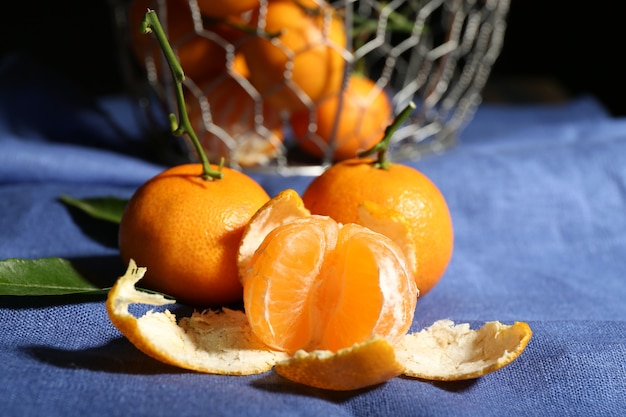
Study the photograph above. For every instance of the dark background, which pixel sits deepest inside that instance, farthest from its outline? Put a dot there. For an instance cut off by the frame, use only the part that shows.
(553, 49)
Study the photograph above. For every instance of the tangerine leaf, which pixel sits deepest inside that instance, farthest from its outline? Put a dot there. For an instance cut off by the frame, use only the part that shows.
(45, 276)
(103, 208)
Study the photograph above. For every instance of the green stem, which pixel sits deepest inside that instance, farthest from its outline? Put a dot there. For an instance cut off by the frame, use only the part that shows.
(382, 147)
(151, 24)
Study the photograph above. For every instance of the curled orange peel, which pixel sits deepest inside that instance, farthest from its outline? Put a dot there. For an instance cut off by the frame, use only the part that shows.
(453, 352)
(222, 342)
(217, 342)
(362, 365)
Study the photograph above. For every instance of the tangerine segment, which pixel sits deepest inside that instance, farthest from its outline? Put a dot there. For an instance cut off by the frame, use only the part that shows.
(316, 284)
(374, 273)
(359, 366)
(284, 274)
(212, 342)
(448, 352)
(283, 208)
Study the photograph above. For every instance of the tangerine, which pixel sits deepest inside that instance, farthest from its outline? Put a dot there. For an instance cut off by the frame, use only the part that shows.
(186, 230)
(314, 284)
(348, 122)
(298, 61)
(340, 190)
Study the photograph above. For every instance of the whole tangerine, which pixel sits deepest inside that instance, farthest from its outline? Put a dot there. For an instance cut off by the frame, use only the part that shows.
(343, 187)
(298, 60)
(186, 230)
(347, 123)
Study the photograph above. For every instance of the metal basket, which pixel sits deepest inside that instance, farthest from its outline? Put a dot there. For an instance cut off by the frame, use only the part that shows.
(436, 53)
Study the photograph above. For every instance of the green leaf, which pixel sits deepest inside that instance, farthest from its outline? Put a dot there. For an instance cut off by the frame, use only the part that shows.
(45, 276)
(103, 208)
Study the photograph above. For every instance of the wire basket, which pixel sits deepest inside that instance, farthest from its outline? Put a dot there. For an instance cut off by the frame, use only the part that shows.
(435, 53)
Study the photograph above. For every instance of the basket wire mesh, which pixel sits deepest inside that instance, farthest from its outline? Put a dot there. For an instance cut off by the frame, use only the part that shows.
(435, 53)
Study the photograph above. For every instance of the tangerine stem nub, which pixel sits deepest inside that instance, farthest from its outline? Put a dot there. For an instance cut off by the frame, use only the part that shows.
(382, 147)
(182, 126)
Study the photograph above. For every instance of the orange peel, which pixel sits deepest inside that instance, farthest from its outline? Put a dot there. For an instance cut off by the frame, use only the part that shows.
(222, 342)
(217, 342)
(362, 365)
(448, 352)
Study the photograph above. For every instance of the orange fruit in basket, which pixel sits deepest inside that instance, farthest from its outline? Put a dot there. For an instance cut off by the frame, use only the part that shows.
(349, 122)
(200, 56)
(186, 230)
(400, 190)
(241, 128)
(226, 8)
(299, 60)
(314, 284)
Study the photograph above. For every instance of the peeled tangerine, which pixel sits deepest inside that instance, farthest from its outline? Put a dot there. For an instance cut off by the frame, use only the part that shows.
(326, 305)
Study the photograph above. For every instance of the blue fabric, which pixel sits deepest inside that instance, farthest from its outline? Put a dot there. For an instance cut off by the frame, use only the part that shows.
(538, 200)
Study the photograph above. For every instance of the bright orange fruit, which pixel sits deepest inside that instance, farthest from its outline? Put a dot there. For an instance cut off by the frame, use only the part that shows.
(345, 186)
(346, 123)
(315, 284)
(300, 60)
(186, 230)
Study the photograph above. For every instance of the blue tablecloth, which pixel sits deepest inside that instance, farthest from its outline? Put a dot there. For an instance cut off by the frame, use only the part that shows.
(538, 200)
